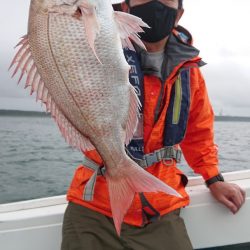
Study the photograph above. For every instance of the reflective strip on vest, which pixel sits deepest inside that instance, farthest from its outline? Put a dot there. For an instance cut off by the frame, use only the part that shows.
(177, 101)
(178, 110)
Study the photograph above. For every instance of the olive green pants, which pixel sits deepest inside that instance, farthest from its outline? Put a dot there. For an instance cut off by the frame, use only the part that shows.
(84, 229)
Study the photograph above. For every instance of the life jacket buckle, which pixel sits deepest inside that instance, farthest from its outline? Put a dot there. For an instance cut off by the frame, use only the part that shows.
(151, 158)
(102, 170)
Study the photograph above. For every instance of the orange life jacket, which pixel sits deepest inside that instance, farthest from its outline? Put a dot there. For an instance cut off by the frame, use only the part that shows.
(192, 124)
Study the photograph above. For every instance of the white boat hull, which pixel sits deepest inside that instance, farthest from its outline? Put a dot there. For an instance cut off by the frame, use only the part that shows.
(37, 224)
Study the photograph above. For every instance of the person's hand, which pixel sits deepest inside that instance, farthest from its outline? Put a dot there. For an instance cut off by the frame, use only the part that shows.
(231, 195)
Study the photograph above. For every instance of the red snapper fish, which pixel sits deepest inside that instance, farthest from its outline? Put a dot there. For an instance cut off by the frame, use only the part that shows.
(74, 61)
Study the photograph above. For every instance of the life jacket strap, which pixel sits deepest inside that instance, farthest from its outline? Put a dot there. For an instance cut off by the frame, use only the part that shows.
(88, 191)
(166, 154)
(149, 213)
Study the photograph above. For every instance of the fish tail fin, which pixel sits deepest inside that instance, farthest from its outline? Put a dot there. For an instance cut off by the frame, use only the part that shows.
(129, 179)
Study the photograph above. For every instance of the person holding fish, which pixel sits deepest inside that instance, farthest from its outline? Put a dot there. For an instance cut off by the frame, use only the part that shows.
(176, 114)
(106, 87)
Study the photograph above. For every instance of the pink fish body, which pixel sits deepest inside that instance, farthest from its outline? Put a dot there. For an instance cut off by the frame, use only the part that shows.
(74, 62)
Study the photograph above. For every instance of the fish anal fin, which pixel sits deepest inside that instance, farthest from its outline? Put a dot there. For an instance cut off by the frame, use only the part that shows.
(24, 42)
(71, 135)
(129, 26)
(25, 63)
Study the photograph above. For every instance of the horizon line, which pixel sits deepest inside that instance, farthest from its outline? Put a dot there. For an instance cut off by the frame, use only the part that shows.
(5, 111)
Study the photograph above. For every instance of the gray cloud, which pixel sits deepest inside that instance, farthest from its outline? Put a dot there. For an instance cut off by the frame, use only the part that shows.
(223, 41)
(229, 87)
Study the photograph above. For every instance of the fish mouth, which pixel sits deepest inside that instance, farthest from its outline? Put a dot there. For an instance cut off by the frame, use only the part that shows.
(78, 13)
(67, 7)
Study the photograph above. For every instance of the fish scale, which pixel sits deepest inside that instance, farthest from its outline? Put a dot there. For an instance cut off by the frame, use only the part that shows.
(76, 67)
(92, 74)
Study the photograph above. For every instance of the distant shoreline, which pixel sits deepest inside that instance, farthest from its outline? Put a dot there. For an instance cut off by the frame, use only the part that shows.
(44, 114)
(223, 118)
(4, 112)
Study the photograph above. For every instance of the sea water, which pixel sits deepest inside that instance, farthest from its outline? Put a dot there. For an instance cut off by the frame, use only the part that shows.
(36, 162)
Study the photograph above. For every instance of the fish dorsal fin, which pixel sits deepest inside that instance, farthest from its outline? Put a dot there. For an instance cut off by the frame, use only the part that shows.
(91, 24)
(24, 62)
(133, 114)
(129, 26)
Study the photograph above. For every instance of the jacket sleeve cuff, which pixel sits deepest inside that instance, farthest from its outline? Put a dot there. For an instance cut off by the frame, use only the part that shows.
(214, 179)
(208, 172)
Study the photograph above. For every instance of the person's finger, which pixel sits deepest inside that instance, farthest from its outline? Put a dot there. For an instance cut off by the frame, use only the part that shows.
(229, 204)
(237, 199)
(242, 197)
(239, 196)
(243, 193)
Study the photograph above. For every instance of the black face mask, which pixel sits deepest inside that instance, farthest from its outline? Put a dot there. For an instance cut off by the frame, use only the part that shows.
(158, 16)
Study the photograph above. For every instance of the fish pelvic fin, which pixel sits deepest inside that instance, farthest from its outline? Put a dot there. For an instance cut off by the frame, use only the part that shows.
(91, 24)
(23, 61)
(133, 114)
(128, 180)
(129, 26)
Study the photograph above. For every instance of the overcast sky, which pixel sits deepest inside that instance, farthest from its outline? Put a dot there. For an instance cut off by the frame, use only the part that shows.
(220, 31)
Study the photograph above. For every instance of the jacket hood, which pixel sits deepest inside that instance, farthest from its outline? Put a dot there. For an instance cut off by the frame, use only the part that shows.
(178, 51)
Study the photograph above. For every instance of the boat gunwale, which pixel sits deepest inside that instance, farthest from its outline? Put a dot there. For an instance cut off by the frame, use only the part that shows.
(196, 183)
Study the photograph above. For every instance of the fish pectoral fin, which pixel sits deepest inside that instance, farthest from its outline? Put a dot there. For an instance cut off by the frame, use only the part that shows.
(88, 15)
(91, 24)
(24, 62)
(129, 26)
